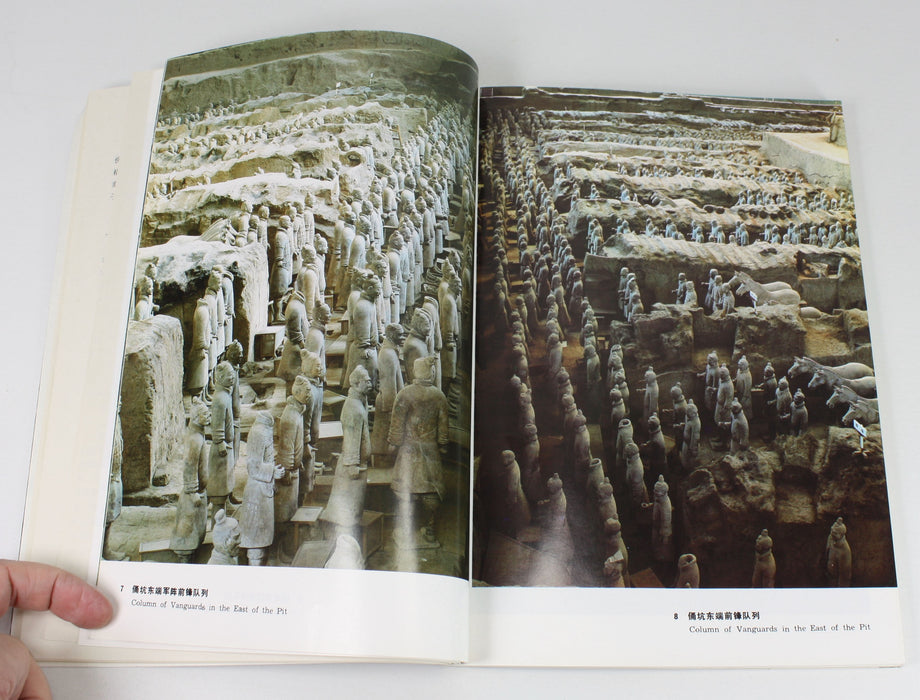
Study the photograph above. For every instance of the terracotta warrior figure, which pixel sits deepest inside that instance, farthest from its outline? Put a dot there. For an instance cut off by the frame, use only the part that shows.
(296, 325)
(234, 356)
(783, 405)
(620, 380)
(724, 398)
(594, 383)
(362, 331)
(655, 447)
(311, 369)
(510, 509)
(226, 287)
(418, 433)
(839, 556)
(222, 457)
(197, 370)
(529, 461)
(690, 449)
(617, 409)
(308, 280)
(710, 377)
(679, 414)
(191, 508)
(739, 429)
(557, 539)
(280, 276)
(257, 514)
(390, 383)
(450, 329)
(144, 307)
(346, 502)
(315, 340)
(416, 343)
(798, 421)
(769, 387)
(688, 572)
(624, 437)
(615, 547)
(606, 504)
(764, 563)
(580, 458)
(743, 385)
(650, 399)
(661, 521)
(291, 449)
(347, 554)
(635, 477)
(593, 481)
(226, 536)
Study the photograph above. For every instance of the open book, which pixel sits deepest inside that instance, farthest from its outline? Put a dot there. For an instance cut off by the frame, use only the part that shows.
(383, 365)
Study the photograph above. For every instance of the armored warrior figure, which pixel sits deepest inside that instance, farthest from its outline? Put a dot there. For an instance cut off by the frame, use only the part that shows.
(798, 420)
(657, 452)
(257, 514)
(764, 563)
(362, 331)
(416, 344)
(710, 377)
(688, 569)
(724, 398)
(615, 547)
(743, 384)
(557, 539)
(197, 371)
(635, 476)
(346, 501)
(769, 387)
(650, 400)
(783, 405)
(839, 556)
(529, 461)
(191, 508)
(280, 277)
(739, 429)
(679, 413)
(291, 448)
(390, 384)
(221, 457)
(226, 537)
(418, 432)
(661, 521)
(691, 441)
(617, 409)
(296, 325)
(510, 510)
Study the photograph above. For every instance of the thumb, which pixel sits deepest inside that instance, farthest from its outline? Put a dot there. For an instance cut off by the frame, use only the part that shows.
(20, 676)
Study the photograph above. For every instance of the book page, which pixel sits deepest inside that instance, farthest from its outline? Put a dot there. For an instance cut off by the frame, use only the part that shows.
(679, 391)
(288, 332)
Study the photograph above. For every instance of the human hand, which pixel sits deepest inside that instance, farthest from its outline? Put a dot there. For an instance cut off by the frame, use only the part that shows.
(32, 586)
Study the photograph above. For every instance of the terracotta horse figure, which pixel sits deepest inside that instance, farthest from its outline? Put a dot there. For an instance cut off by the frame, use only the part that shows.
(865, 386)
(851, 370)
(768, 294)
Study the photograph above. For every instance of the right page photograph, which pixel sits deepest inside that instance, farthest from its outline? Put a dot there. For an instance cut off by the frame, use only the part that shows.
(674, 377)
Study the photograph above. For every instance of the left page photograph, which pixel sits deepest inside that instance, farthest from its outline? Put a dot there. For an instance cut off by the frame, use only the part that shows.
(286, 412)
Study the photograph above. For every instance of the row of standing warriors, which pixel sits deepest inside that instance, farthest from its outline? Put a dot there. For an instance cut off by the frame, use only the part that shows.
(373, 344)
(834, 236)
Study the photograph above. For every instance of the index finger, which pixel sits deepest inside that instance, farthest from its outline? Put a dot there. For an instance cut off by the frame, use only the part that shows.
(33, 586)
